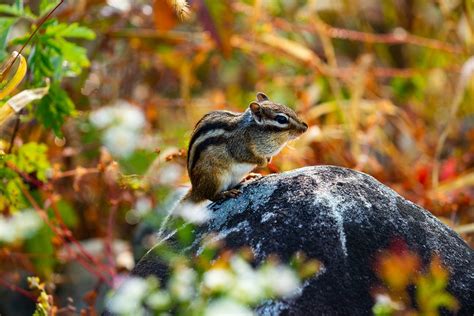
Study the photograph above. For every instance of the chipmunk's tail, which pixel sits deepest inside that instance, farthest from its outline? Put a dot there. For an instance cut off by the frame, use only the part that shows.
(177, 204)
(188, 198)
(192, 197)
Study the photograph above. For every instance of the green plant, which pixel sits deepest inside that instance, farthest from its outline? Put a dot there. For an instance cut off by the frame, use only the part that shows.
(399, 268)
(52, 55)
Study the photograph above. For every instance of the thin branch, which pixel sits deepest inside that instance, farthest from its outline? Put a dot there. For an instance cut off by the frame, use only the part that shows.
(396, 38)
(109, 239)
(70, 237)
(44, 216)
(64, 231)
(74, 172)
(269, 43)
(15, 131)
(143, 33)
(18, 289)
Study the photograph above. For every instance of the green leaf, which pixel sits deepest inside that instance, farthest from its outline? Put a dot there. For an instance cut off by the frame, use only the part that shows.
(380, 309)
(10, 10)
(40, 64)
(53, 56)
(41, 245)
(17, 11)
(138, 162)
(19, 4)
(31, 158)
(67, 212)
(5, 25)
(46, 6)
(74, 54)
(53, 109)
(73, 30)
(11, 196)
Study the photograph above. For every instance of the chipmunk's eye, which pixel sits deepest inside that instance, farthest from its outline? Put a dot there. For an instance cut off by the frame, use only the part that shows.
(281, 119)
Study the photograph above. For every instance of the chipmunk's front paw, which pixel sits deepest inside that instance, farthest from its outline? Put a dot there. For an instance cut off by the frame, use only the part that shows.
(252, 176)
(232, 193)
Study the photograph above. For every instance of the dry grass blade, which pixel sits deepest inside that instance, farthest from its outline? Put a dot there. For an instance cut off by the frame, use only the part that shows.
(463, 181)
(294, 49)
(465, 229)
(357, 89)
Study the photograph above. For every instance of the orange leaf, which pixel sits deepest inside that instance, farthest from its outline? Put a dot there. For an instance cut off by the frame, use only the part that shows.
(164, 16)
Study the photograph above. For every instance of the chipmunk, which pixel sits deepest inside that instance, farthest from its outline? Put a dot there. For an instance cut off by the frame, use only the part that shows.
(226, 146)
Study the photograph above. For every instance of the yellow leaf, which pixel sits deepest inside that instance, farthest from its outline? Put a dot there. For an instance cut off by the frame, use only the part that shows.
(17, 77)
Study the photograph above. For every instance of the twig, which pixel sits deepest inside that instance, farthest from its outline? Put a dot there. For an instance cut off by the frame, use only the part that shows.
(178, 36)
(15, 131)
(70, 237)
(24, 175)
(74, 172)
(109, 239)
(396, 38)
(18, 289)
(44, 216)
(64, 232)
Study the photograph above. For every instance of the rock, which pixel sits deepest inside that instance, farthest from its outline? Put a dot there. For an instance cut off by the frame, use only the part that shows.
(342, 218)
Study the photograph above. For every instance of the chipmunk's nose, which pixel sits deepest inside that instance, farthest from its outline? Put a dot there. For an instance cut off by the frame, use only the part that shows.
(304, 127)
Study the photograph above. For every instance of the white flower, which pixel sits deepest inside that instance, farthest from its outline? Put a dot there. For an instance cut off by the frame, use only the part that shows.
(128, 115)
(27, 223)
(385, 300)
(227, 307)
(194, 213)
(19, 226)
(240, 266)
(170, 174)
(159, 300)
(121, 113)
(121, 5)
(182, 284)
(280, 280)
(123, 124)
(218, 280)
(102, 117)
(248, 287)
(143, 205)
(120, 141)
(7, 231)
(128, 297)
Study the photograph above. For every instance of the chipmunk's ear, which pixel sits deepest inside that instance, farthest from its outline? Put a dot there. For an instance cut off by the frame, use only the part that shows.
(261, 97)
(256, 113)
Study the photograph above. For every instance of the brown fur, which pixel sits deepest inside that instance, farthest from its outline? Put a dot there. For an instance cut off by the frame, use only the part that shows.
(222, 140)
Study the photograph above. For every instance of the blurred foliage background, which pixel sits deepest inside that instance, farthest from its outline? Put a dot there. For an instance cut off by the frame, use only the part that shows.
(87, 171)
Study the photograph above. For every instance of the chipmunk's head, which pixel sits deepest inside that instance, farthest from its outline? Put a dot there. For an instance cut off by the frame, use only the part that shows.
(276, 118)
